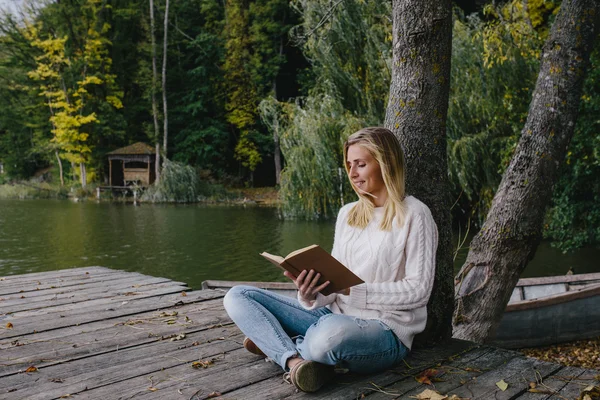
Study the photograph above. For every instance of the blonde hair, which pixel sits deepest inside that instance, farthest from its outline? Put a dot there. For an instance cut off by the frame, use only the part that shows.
(385, 149)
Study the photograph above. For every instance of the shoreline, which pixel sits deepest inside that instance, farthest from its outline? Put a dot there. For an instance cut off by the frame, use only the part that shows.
(264, 196)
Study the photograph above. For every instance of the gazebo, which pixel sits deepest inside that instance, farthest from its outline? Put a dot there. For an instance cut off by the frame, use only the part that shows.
(133, 164)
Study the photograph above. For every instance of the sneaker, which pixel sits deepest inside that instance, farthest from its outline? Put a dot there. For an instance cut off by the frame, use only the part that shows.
(253, 348)
(310, 376)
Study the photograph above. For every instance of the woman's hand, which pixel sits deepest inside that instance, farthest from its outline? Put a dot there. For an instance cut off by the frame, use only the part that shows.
(306, 283)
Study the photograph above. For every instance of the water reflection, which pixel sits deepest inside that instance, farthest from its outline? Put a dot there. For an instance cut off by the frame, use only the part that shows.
(188, 243)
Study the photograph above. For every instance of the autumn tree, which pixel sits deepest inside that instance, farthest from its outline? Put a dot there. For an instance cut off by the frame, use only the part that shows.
(513, 227)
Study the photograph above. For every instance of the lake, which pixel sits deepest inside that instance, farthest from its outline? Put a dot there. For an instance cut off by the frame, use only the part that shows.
(188, 243)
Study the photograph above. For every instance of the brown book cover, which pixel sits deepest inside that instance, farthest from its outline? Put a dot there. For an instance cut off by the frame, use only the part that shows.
(314, 257)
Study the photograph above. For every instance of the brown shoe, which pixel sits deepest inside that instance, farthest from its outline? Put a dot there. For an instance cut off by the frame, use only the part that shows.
(310, 376)
(253, 348)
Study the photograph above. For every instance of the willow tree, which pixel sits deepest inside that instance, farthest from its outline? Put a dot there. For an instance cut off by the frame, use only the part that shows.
(513, 228)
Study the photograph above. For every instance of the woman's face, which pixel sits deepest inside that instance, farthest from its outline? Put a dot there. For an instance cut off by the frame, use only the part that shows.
(365, 173)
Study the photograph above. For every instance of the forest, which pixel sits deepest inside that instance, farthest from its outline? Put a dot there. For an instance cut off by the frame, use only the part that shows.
(263, 93)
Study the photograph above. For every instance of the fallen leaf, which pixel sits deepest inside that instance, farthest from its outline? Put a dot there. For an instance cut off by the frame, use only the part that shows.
(171, 322)
(532, 385)
(181, 336)
(184, 294)
(429, 394)
(152, 389)
(203, 364)
(9, 326)
(502, 385)
(31, 369)
(213, 394)
(427, 376)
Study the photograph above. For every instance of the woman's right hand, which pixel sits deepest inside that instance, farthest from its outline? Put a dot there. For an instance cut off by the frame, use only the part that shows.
(306, 283)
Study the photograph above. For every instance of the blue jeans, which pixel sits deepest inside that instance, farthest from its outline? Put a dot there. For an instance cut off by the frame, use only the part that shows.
(271, 321)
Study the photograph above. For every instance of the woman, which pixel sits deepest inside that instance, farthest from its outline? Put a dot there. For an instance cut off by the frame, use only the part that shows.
(388, 240)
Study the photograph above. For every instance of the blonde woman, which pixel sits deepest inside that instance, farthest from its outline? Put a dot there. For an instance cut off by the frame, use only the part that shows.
(386, 238)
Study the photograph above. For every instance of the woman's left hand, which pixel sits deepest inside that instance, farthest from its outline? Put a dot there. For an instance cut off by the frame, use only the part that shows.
(306, 283)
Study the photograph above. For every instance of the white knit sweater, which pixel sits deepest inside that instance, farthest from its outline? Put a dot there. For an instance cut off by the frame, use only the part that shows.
(398, 268)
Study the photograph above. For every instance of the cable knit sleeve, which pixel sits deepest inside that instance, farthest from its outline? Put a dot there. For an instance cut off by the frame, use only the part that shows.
(340, 223)
(414, 290)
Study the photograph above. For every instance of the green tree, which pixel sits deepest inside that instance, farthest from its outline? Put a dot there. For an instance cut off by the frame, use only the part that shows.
(241, 90)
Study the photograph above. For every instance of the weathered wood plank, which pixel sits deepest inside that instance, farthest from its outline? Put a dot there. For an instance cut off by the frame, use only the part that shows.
(515, 373)
(545, 388)
(238, 368)
(452, 373)
(51, 274)
(353, 386)
(575, 386)
(94, 285)
(95, 310)
(75, 342)
(116, 366)
(128, 287)
(60, 283)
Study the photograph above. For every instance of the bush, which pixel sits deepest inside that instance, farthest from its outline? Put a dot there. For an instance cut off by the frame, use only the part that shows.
(178, 183)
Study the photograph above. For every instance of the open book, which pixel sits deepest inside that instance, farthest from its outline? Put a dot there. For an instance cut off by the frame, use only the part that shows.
(314, 257)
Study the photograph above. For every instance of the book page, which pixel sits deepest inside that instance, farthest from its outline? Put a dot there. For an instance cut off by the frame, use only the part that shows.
(293, 253)
(272, 257)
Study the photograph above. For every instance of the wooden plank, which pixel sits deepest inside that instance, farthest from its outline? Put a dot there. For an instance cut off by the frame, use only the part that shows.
(575, 386)
(68, 344)
(60, 283)
(27, 322)
(108, 368)
(77, 313)
(352, 386)
(545, 388)
(514, 372)
(559, 279)
(92, 283)
(128, 287)
(60, 279)
(453, 373)
(54, 273)
(237, 368)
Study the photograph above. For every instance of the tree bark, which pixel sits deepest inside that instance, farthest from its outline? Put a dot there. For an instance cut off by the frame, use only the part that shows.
(83, 175)
(513, 228)
(164, 82)
(416, 113)
(60, 169)
(154, 105)
(277, 147)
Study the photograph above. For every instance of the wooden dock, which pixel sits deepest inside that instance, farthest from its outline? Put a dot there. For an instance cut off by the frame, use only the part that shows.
(97, 333)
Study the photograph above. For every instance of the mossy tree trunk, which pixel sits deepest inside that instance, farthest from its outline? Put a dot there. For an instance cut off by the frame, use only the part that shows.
(416, 113)
(513, 228)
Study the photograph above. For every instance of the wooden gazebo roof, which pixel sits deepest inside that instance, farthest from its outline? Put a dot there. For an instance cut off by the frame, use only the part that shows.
(138, 148)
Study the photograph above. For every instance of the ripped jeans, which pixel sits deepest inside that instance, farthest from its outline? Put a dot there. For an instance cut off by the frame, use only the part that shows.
(271, 321)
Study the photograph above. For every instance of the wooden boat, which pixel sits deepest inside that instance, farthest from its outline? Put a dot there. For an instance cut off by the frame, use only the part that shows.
(541, 311)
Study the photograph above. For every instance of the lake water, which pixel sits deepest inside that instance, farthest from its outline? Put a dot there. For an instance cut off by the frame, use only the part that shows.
(188, 243)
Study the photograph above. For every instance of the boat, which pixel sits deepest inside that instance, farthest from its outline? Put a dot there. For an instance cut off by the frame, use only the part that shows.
(541, 311)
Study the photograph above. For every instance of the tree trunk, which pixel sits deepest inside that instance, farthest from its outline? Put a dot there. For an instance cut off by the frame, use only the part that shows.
(416, 113)
(277, 147)
(83, 175)
(164, 82)
(60, 169)
(154, 105)
(513, 228)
